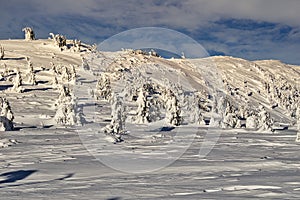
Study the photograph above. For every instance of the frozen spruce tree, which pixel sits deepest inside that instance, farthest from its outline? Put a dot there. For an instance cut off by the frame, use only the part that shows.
(6, 116)
(31, 74)
(116, 127)
(103, 88)
(143, 107)
(252, 121)
(195, 110)
(1, 52)
(65, 96)
(17, 84)
(66, 108)
(29, 33)
(265, 121)
(173, 110)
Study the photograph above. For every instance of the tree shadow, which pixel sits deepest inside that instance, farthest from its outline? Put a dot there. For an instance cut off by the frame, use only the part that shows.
(22, 174)
(115, 198)
(19, 58)
(5, 87)
(37, 89)
(11, 177)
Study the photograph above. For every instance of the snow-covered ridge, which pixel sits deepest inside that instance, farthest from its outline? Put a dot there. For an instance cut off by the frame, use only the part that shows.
(218, 91)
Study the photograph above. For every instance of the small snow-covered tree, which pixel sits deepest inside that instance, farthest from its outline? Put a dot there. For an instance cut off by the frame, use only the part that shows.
(195, 111)
(143, 107)
(117, 125)
(173, 111)
(1, 52)
(31, 74)
(103, 88)
(252, 122)
(265, 122)
(66, 108)
(17, 84)
(6, 116)
(29, 33)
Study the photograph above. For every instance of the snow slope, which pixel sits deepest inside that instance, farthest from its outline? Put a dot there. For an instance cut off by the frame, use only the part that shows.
(43, 160)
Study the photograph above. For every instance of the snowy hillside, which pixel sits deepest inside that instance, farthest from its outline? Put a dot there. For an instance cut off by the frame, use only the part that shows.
(226, 126)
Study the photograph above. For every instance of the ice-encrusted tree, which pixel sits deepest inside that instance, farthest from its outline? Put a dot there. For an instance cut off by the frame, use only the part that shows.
(252, 121)
(265, 121)
(66, 107)
(31, 74)
(173, 111)
(117, 125)
(142, 115)
(103, 88)
(17, 82)
(6, 116)
(194, 108)
(29, 33)
(1, 52)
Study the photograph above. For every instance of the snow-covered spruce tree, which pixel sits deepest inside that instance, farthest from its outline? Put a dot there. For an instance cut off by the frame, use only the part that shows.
(65, 95)
(195, 110)
(173, 110)
(252, 120)
(143, 107)
(29, 33)
(265, 121)
(66, 108)
(103, 88)
(117, 125)
(1, 52)
(6, 116)
(17, 84)
(31, 75)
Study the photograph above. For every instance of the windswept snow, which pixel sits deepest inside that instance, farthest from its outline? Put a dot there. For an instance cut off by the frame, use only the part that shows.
(80, 116)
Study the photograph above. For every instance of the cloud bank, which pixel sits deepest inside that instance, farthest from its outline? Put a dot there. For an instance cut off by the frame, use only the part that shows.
(252, 29)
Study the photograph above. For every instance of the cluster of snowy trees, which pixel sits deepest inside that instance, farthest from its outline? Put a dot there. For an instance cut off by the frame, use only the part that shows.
(282, 93)
(6, 115)
(59, 40)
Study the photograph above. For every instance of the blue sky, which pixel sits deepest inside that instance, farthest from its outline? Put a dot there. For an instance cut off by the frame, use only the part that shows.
(251, 29)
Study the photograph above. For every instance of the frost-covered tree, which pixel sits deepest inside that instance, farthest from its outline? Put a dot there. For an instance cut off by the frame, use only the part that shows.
(65, 95)
(103, 88)
(6, 116)
(17, 84)
(143, 107)
(173, 111)
(29, 33)
(31, 74)
(117, 125)
(66, 107)
(1, 52)
(195, 110)
(252, 122)
(265, 121)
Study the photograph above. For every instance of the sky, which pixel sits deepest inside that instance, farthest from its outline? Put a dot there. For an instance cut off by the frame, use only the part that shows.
(250, 29)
